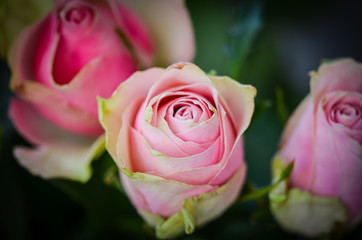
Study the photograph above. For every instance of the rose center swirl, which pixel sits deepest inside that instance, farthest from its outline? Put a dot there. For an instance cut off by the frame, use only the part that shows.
(77, 14)
(347, 114)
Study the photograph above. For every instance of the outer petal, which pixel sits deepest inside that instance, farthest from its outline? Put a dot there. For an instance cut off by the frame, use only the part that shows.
(98, 80)
(197, 210)
(54, 108)
(170, 26)
(297, 143)
(337, 165)
(237, 99)
(59, 153)
(158, 195)
(134, 29)
(339, 75)
(23, 51)
(112, 109)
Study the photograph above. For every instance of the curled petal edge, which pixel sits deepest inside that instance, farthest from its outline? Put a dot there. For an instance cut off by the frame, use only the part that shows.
(196, 211)
(68, 162)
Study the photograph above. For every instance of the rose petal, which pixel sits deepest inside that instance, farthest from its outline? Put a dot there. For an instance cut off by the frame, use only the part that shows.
(69, 161)
(341, 155)
(111, 110)
(39, 130)
(89, 41)
(157, 195)
(300, 130)
(55, 109)
(238, 98)
(339, 75)
(201, 209)
(182, 76)
(60, 153)
(134, 30)
(147, 160)
(98, 80)
(347, 125)
(34, 40)
(174, 40)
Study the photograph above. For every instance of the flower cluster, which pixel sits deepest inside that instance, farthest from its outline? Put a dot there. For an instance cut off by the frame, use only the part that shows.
(92, 75)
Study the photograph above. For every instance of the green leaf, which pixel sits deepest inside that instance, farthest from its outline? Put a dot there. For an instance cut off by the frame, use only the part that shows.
(259, 193)
(280, 104)
(286, 172)
(242, 35)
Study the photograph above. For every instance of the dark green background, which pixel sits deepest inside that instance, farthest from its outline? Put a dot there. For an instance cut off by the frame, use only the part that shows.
(294, 37)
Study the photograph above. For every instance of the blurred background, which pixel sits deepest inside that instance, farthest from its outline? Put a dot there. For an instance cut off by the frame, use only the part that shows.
(269, 44)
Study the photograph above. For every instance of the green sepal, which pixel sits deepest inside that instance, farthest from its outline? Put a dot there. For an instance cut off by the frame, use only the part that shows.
(301, 211)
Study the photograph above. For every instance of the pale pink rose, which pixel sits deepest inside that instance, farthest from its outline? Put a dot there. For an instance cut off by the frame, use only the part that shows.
(176, 135)
(80, 50)
(324, 137)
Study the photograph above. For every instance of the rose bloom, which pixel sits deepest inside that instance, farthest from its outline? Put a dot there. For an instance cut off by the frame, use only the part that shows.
(324, 137)
(176, 136)
(80, 50)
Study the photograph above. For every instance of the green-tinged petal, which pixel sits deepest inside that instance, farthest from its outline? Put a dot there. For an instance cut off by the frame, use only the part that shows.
(302, 212)
(195, 211)
(70, 161)
(238, 97)
(110, 111)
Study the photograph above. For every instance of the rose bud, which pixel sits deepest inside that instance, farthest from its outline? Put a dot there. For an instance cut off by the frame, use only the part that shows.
(81, 50)
(323, 138)
(175, 134)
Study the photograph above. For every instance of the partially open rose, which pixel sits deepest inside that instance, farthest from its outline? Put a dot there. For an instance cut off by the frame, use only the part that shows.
(324, 138)
(80, 50)
(176, 136)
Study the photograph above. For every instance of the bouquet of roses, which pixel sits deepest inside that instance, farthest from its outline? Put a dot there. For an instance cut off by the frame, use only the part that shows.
(113, 108)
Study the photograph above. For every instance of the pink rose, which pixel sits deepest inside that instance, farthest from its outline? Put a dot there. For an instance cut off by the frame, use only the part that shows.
(324, 137)
(176, 136)
(80, 50)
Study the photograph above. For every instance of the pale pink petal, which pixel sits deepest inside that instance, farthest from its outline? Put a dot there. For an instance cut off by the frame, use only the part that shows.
(297, 143)
(58, 153)
(170, 26)
(65, 160)
(160, 196)
(147, 160)
(349, 153)
(339, 75)
(343, 111)
(237, 99)
(177, 77)
(339, 167)
(232, 156)
(325, 171)
(111, 110)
